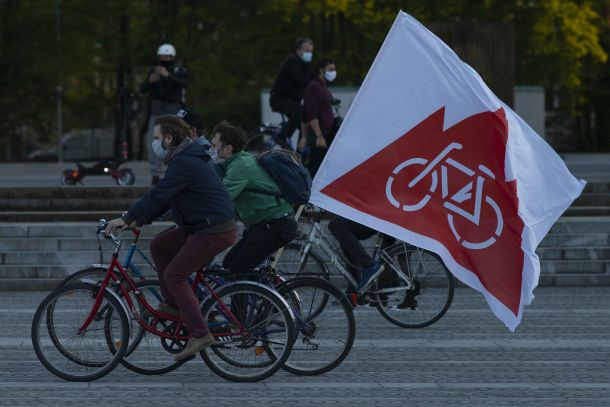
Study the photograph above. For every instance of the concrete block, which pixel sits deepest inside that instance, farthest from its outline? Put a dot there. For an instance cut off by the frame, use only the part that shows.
(570, 240)
(21, 244)
(591, 253)
(575, 267)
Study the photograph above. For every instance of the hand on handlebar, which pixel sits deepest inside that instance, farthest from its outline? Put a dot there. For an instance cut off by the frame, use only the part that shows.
(118, 223)
(113, 225)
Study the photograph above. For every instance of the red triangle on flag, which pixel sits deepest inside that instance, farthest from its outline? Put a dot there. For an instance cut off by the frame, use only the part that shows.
(418, 183)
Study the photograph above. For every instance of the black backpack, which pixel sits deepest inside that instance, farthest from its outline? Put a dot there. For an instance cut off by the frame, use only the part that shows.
(291, 177)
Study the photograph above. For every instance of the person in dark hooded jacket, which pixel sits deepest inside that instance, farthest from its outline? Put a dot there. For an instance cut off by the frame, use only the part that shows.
(205, 216)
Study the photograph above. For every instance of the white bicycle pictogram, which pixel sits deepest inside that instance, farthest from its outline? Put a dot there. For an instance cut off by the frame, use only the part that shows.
(451, 202)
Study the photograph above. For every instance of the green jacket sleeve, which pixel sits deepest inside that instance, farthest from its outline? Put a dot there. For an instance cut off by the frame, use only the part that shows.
(235, 179)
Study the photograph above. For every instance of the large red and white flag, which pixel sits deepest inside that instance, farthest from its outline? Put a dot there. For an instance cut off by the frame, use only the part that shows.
(428, 154)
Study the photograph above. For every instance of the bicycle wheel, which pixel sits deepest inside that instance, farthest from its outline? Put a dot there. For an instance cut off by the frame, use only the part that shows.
(325, 323)
(127, 177)
(76, 356)
(257, 340)
(295, 262)
(148, 353)
(421, 300)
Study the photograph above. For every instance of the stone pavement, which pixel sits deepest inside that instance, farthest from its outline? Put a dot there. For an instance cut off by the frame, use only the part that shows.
(559, 356)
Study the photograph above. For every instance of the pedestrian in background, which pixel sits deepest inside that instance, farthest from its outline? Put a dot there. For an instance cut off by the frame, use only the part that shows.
(165, 84)
(287, 90)
(317, 118)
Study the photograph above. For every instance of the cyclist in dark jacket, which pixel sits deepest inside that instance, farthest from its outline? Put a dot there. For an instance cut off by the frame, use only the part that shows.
(287, 90)
(204, 214)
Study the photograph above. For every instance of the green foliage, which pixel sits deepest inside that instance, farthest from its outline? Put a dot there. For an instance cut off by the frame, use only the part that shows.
(233, 48)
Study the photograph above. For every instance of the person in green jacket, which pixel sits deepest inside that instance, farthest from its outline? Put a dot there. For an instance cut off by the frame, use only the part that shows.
(268, 220)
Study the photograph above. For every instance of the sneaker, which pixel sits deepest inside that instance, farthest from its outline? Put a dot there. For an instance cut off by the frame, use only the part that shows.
(195, 345)
(369, 274)
(164, 308)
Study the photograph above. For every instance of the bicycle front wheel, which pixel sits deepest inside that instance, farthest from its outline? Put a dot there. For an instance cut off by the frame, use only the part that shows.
(73, 355)
(415, 290)
(255, 327)
(325, 323)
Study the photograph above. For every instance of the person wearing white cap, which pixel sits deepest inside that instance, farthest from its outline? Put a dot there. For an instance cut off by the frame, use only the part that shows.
(165, 84)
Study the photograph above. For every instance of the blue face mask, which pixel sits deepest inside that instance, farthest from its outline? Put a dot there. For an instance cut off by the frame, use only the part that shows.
(158, 149)
(307, 56)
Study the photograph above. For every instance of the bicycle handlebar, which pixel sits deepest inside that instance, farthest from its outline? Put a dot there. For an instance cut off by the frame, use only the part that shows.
(101, 227)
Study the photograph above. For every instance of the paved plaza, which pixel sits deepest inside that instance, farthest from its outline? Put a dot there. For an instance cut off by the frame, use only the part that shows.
(560, 356)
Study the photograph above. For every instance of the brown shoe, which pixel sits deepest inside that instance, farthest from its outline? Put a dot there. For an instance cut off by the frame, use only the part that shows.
(165, 308)
(195, 345)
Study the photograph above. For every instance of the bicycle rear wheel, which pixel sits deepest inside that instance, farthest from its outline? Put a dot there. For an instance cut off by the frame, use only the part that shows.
(325, 324)
(76, 356)
(426, 294)
(255, 327)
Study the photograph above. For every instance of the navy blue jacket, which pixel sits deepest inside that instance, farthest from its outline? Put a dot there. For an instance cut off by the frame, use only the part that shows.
(193, 190)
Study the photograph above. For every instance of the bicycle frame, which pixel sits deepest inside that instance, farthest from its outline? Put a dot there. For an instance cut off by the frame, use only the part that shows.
(318, 237)
(131, 287)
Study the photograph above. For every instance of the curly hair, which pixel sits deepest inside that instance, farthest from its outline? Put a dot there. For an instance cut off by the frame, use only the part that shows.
(231, 135)
(172, 125)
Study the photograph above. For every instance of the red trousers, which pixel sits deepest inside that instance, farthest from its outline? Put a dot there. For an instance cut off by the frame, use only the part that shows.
(177, 254)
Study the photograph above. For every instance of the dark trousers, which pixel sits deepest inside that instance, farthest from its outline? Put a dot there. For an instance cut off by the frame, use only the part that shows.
(177, 254)
(349, 234)
(316, 156)
(292, 109)
(259, 242)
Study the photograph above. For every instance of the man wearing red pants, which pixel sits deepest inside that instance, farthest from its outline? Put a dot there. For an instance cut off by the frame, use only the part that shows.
(205, 216)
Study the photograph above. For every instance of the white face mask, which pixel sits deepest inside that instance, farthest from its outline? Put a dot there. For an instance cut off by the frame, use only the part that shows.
(330, 75)
(307, 56)
(158, 149)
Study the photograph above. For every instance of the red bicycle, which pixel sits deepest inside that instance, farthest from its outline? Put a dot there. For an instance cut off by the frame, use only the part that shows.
(82, 331)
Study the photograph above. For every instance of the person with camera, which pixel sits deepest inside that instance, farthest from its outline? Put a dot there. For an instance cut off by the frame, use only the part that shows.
(165, 84)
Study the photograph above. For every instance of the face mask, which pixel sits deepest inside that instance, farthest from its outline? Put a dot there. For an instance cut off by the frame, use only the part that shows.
(307, 55)
(158, 149)
(213, 153)
(166, 64)
(330, 75)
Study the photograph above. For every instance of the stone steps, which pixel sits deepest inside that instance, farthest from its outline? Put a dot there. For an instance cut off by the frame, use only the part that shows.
(82, 203)
(588, 211)
(576, 250)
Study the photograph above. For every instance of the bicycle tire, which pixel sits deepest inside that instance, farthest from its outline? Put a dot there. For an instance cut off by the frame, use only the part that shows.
(437, 284)
(104, 366)
(127, 177)
(309, 320)
(249, 344)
